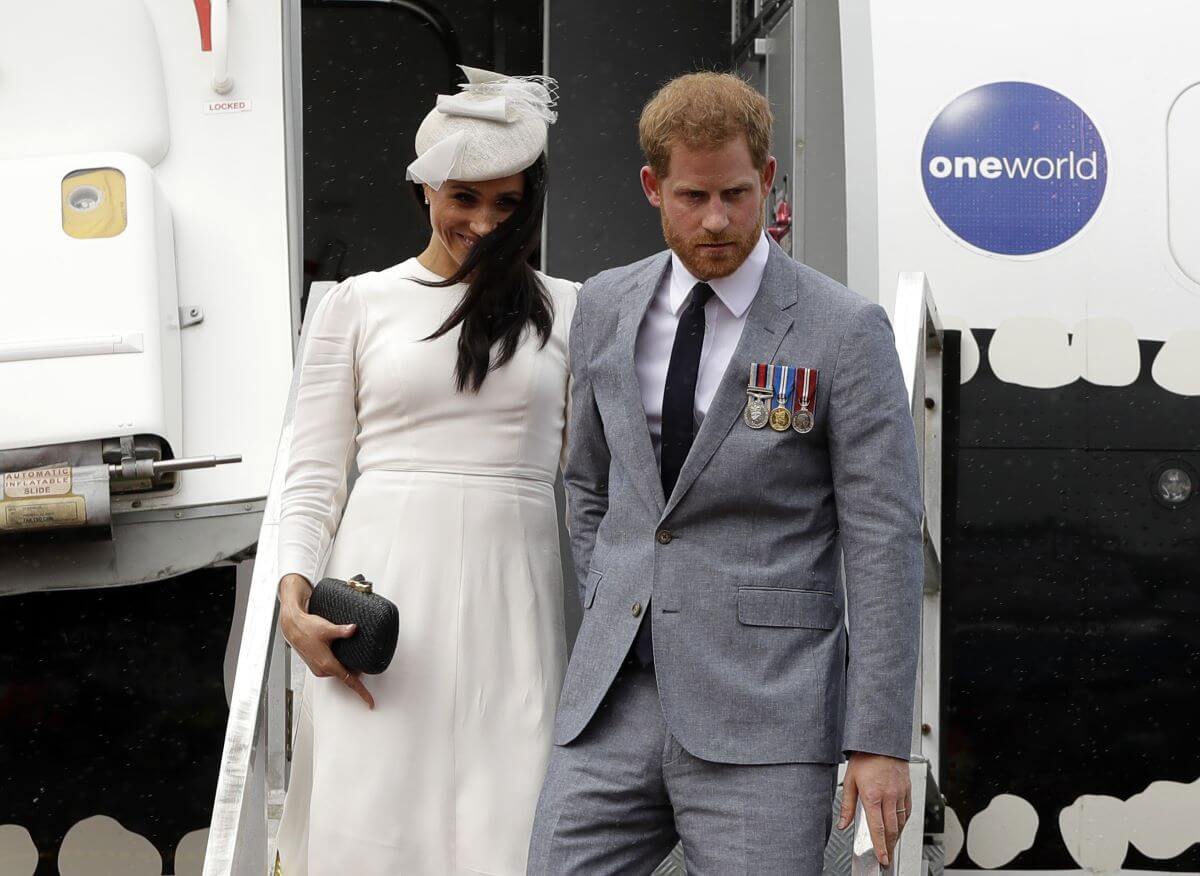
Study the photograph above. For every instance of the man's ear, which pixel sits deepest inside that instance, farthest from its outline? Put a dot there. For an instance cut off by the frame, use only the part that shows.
(651, 186)
(768, 175)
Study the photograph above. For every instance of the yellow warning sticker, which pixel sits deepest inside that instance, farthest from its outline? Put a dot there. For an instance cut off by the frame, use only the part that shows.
(43, 513)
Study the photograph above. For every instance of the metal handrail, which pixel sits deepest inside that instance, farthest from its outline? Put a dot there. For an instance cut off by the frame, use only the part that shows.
(222, 82)
(918, 330)
(247, 702)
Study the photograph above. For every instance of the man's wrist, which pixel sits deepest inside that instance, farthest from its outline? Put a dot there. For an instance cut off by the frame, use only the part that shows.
(853, 753)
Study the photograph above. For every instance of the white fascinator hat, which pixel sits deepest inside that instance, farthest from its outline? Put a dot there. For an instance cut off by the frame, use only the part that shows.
(494, 127)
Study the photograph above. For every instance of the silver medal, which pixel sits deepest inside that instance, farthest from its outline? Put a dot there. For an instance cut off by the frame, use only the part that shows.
(757, 412)
(802, 421)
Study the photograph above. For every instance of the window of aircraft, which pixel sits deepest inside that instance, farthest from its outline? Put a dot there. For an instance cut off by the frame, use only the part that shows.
(93, 203)
(1183, 180)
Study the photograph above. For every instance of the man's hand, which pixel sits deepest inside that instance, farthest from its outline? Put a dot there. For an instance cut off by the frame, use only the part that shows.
(886, 793)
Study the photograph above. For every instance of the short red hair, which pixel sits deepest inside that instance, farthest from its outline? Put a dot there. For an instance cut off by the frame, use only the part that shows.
(704, 111)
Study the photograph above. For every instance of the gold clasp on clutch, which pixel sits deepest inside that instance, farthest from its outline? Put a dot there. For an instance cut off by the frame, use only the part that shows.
(359, 583)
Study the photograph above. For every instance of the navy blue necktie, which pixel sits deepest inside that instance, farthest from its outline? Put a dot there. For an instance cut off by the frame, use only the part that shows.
(678, 418)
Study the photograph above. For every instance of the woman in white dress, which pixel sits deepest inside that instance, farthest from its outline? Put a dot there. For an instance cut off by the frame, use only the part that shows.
(445, 379)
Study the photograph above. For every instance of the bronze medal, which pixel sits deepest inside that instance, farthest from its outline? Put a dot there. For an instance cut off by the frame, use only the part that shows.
(782, 383)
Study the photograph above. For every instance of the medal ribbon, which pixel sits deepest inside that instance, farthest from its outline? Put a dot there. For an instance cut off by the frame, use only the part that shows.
(807, 385)
(759, 378)
(783, 385)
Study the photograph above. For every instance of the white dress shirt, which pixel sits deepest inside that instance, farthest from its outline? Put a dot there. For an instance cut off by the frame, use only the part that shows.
(724, 317)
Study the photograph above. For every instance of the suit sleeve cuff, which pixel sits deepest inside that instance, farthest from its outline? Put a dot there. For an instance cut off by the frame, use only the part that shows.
(899, 747)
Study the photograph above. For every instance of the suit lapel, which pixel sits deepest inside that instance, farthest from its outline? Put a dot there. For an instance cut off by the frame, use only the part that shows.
(767, 322)
(629, 418)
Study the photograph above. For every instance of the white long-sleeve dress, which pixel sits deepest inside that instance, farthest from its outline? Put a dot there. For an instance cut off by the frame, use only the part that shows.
(453, 518)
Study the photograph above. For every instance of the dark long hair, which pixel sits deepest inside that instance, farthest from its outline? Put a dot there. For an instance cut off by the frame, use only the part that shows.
(503, 292)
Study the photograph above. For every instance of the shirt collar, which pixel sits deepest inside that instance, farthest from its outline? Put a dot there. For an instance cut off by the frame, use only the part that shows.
(736, 291)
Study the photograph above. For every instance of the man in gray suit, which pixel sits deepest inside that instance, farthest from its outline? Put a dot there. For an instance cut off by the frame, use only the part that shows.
(739, 425)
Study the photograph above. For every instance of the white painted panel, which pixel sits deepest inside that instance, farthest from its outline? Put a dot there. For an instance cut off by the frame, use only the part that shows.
(1097, 830)
(62, 290)
(954, 837)
(1164, 820)
(189, 854)
(1033, 351)
(18, 854)
(221, 193)
(1006, 827)
(225, 180)
(1120, 266)
(81, 76)
(1106, 351)
(1094, 832)
(102, 846)
(1177, 365)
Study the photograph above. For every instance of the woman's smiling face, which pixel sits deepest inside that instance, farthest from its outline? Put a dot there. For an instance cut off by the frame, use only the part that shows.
(463, 212)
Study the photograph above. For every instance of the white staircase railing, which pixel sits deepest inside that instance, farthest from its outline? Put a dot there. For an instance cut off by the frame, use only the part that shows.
(918, 330)
(237, 837)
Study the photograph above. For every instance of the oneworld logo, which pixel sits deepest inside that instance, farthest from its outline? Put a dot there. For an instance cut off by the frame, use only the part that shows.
(993, 167)
(1014, 168)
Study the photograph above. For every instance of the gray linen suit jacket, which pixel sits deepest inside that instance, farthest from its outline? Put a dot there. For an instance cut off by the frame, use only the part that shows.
(739, 566)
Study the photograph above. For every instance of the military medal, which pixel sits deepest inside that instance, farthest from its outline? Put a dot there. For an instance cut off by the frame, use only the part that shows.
(806, 397)
(758, 391)
(783, 385)
(756, 412)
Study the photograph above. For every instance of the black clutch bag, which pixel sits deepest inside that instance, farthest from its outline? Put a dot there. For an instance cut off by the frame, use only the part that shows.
(371, 647)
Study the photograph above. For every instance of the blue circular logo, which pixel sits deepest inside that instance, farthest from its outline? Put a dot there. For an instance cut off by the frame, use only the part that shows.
(1014, 168)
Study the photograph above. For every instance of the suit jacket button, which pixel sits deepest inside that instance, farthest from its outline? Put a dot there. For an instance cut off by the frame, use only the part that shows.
(664, 536)
(637, 609)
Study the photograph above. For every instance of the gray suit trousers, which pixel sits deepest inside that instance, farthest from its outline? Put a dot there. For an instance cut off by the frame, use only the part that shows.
(618, 797)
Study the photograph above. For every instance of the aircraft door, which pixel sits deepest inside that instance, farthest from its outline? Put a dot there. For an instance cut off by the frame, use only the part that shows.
(771, 63)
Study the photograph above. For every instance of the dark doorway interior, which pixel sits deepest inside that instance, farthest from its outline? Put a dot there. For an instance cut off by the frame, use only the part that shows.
(609, 58)
(372, 70)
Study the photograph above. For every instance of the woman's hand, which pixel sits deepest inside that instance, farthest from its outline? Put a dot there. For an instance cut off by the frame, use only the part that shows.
(311, 635)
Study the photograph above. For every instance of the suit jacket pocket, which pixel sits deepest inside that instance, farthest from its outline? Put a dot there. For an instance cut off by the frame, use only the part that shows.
(589, 590)
(769, 607)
